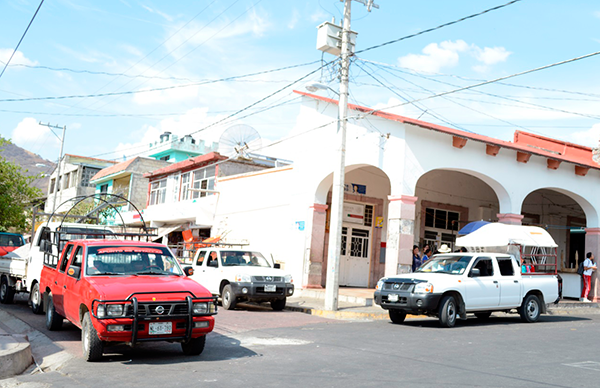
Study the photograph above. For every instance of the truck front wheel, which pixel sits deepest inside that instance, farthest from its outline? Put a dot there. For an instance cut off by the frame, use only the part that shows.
(530, 309)
(91, 344)
(54, 320)
(228, 298)
(278, 304)
(7, 293)
(36, 299)
(447, 312)
(397, 316)
(195, 347)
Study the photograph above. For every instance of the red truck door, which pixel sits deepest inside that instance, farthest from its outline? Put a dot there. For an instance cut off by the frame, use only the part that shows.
(72, 286)
(59, 279)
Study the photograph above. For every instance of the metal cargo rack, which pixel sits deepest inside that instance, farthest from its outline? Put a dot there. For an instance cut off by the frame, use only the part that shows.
(186, 251)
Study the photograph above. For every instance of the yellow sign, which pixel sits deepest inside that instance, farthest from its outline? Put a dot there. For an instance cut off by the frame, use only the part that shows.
(379, 222)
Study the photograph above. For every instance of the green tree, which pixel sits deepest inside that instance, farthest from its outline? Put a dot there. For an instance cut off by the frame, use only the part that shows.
(16, 195)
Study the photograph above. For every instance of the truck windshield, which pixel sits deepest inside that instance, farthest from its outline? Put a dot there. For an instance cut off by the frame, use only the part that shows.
(130, 260)
(247, 258)
(455, 265)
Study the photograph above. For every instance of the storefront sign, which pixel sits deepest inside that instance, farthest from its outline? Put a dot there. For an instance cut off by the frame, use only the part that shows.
(355, 188)
(354, 213)
(379, 222)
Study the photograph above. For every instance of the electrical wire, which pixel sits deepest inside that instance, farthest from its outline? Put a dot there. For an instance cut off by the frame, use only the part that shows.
(438, 27)
(22, 37)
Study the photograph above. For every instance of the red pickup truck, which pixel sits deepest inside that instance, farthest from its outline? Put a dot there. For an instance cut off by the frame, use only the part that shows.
(122, 291)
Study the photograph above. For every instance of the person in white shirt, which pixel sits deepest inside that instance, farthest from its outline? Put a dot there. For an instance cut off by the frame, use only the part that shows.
(589, 266)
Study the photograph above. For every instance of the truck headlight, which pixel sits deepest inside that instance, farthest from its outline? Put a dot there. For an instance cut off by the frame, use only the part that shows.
(423, 288)
(114, 310)
(101, 311)
(243, 278)
(379, 285)
(200, 308)
(289, 279)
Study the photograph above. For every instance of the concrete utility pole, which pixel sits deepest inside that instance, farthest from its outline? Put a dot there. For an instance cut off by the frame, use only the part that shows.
(62, 143)
(337, 192)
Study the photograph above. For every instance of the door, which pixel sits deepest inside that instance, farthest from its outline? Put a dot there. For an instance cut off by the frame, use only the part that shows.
(510, 286)
(207, 271)
(72, 286)
(355, 257)
(59, 280)
(482, 291)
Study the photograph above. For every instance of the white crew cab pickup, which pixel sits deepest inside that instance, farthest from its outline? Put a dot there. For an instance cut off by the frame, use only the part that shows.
(242, 275)
(449, 286)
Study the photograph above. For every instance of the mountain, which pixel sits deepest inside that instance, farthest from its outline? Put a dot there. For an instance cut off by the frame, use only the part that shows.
(32, 163)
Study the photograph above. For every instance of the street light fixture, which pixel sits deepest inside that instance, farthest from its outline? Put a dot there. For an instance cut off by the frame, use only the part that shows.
(314, 86)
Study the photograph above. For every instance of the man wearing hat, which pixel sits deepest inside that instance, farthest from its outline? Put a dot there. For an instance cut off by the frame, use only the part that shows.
(444, 249)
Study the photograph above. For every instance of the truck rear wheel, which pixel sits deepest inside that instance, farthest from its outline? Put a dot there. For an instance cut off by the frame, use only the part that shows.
(54, 320)
(397, 316)
(530, 310)
(92, 345)
(447, 312)
(7, 293)
(228, 298)
(195, 347)
(278, 304)
(36, 299)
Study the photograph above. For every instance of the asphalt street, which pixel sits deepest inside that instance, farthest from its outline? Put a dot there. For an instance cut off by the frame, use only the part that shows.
(256, 347)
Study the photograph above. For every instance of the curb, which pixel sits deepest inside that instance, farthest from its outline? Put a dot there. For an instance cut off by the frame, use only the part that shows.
(15, 354)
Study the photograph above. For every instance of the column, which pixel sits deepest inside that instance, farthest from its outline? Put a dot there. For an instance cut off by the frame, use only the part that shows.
(592, 244)
(400, 234)
(316, 262)
(510, 218)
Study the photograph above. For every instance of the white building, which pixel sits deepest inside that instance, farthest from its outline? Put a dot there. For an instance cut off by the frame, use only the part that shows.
(408, 182)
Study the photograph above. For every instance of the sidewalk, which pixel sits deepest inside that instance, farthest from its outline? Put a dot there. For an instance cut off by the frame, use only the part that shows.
(15, 352)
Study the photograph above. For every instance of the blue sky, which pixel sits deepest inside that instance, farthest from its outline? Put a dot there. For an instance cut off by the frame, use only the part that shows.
(158, 44)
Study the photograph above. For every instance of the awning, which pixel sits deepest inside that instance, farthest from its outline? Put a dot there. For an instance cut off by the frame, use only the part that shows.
(165, 230)
(500, 235)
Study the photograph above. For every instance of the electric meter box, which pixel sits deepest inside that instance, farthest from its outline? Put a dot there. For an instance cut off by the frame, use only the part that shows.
(329, 39)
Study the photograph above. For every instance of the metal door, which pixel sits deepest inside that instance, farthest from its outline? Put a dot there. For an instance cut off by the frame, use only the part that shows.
(355, 256)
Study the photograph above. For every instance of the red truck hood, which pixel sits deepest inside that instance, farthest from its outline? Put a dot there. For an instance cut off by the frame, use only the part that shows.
(159, 287)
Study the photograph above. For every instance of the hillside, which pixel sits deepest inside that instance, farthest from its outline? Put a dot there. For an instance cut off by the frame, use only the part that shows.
(32, 163)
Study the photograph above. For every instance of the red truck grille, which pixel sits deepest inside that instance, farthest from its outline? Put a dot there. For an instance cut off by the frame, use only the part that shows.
(159, 309)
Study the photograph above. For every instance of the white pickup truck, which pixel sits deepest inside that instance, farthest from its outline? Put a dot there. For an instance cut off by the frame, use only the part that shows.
(242, 275)
(20, 269)
(449, 286)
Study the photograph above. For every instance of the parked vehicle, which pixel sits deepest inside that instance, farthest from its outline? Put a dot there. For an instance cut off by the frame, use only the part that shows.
(20, 269)
(9, 242)
(123, 291)
(242, 275)
(449, 286)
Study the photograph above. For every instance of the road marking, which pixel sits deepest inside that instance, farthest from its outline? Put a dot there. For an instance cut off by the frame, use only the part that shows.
(591, 365)
(272, 341)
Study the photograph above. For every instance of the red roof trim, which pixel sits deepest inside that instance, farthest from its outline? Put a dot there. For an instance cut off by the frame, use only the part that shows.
(573, 153)
(186, 165)
(113, 169)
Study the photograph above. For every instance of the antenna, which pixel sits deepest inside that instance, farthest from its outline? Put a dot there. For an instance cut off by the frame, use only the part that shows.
(238, 140)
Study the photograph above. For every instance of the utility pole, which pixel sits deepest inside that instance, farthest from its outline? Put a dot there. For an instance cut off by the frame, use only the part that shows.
(60, 155)
(337, 193)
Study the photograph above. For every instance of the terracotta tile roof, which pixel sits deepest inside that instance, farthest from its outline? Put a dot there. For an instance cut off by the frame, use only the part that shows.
(186, 165)
(523, 142)
(87, 157)
(113, 169)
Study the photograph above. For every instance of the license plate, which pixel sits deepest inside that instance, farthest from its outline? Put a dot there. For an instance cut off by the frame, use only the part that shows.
(392, 298)
(270, 288)
(160, 328)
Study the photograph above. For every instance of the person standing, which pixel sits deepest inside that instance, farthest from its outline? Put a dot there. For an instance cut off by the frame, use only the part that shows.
(416, 260)
(589, 266)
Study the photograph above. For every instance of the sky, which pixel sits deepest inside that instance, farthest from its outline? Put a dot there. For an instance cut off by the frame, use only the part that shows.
(80, 49)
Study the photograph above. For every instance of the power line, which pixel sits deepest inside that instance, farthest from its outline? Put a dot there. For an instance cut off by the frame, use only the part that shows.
(157, 89)
(438, 27)
(22, 37)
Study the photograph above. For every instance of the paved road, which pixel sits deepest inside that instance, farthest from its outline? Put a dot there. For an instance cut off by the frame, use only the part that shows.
(261, 348)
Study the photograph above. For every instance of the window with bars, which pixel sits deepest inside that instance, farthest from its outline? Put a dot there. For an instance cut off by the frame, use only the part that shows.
(369, 215)
(158, 192)
(87, 174)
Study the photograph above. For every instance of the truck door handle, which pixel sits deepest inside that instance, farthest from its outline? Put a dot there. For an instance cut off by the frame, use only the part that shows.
(65, 287)
(55, 282)
(516, 281)
(495, 282)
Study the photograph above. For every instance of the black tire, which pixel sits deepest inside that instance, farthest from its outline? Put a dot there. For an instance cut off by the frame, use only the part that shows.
(278, 304)
(92, 346)
(228, 298)
(7, 293)
(483, 315)
(531, 309)
(397, 316)
(195, 347)
(448, 311)
(54, 320)
(35, 298)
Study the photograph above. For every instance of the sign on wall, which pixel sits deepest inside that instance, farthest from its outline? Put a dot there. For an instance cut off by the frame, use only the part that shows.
(354, 213)
(355, 188)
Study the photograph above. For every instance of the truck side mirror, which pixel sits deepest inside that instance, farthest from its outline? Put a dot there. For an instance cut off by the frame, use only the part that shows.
(189, 271)
(277, 265)
(475, 272)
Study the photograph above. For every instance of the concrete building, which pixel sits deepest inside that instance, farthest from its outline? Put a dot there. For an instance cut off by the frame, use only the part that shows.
(408, 182)
(171, 148)
(127, 180)
(74, 180)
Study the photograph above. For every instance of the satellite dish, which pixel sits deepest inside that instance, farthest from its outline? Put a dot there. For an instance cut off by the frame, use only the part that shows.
(238, 140)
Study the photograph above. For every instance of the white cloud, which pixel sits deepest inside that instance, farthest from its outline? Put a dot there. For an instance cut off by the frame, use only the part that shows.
(294, 20)
(590, 138)
(319, 16)
(435, 56)
(29, 134)
(159, 13)
(491, 56)
(18, 59)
